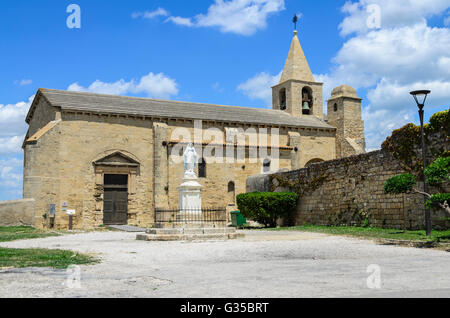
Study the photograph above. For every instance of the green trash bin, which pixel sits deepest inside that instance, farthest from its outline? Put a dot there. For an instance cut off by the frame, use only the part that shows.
(238, 219)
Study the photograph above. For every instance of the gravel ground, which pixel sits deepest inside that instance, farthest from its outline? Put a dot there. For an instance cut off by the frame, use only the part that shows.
(264, 264)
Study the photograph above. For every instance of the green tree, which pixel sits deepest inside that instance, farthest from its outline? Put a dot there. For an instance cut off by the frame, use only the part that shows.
(437, 174)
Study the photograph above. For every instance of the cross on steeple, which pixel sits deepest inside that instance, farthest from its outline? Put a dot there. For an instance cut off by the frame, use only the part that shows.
(295, 20)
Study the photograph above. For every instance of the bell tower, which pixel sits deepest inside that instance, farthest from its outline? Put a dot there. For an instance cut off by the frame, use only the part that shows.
(298, 93)
(344, 113)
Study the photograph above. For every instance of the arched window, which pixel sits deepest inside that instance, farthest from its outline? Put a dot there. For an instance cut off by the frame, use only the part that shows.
(307, 101)
(202, 168)
(266, 165)
(317, 160)
(335, 107)
(283, 99)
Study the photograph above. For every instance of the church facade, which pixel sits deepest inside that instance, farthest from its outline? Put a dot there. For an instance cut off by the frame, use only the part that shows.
(114, 159)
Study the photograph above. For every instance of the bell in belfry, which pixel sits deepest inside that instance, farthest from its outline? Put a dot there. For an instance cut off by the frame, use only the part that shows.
(306, 108)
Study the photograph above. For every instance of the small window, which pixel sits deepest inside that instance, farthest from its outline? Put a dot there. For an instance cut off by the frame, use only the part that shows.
(335, 107)
(283, 99)
(266, 165)
(231, 193)
(231, 186)
(202, 168)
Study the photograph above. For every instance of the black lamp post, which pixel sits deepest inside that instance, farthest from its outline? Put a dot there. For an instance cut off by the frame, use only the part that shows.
(420, 98)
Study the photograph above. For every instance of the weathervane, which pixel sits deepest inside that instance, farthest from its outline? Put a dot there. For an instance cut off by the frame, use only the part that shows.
(295, 20)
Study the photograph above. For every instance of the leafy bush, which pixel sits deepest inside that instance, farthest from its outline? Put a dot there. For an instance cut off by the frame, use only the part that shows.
(440, 121)
(402, 145)
(438, 198)
(267, 207)
(404, 142)
(400, 184)
(439, 171)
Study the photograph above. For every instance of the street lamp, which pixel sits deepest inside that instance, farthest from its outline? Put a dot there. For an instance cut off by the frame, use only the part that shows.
(420, 97)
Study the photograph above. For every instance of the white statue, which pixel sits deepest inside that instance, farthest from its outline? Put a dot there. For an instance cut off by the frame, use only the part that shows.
(190, 191)
(190, 160)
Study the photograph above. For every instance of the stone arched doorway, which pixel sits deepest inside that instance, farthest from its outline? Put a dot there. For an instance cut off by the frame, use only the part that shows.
(115, 178)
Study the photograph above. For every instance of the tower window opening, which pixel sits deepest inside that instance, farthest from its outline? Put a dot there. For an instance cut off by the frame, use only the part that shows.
(202, 168)
(335, 107)
(307, 101)
(283, 99)
(231, 193)
(266, 165)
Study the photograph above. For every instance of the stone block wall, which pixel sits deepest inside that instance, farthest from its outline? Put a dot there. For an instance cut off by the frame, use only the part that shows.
(85, 139)
(350, 191)
(17, 213)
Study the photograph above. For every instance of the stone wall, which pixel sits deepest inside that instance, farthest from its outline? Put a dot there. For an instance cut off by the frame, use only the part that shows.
(17, 213)
(41, 179)
(43, 114)
(350, 191)
(86, 139)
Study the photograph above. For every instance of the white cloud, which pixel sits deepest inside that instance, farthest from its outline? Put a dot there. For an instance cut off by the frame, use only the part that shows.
(240, 16)
(11, 145)
(12, 133)
(260, 86)
(447, 21)
(11, 176)
(403, 55)
(13, 127)
(244, 17)
(379, 123)
(393, 13)
(216, 87)
(393, 96)
(153, 85)
(23, 82)
(180, 21)
(150, 14)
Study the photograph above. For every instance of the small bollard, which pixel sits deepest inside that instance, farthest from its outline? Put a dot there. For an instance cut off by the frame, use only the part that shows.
(71, 213)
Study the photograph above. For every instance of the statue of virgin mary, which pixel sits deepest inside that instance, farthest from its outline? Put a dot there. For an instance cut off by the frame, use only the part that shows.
(190, 160)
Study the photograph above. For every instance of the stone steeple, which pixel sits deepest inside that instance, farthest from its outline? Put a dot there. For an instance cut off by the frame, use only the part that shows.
(296, 67)
(298, 94)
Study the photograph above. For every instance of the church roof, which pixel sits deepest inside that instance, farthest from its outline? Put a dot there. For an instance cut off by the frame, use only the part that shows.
(296, 67)
(111, 104)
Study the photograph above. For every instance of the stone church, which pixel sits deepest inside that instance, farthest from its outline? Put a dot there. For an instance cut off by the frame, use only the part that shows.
(110, 158)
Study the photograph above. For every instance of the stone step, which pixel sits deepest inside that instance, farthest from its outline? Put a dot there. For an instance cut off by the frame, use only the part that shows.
(180, 231)
(126, 228)
(188, 237)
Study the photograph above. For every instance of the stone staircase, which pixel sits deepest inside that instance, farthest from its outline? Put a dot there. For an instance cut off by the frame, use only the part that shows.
(189, 234)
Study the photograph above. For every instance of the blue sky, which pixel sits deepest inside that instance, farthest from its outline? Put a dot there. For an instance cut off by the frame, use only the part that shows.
(223, 52)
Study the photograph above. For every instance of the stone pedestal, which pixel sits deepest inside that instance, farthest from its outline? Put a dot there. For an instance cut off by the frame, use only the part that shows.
(190, 195)
(191, 222)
